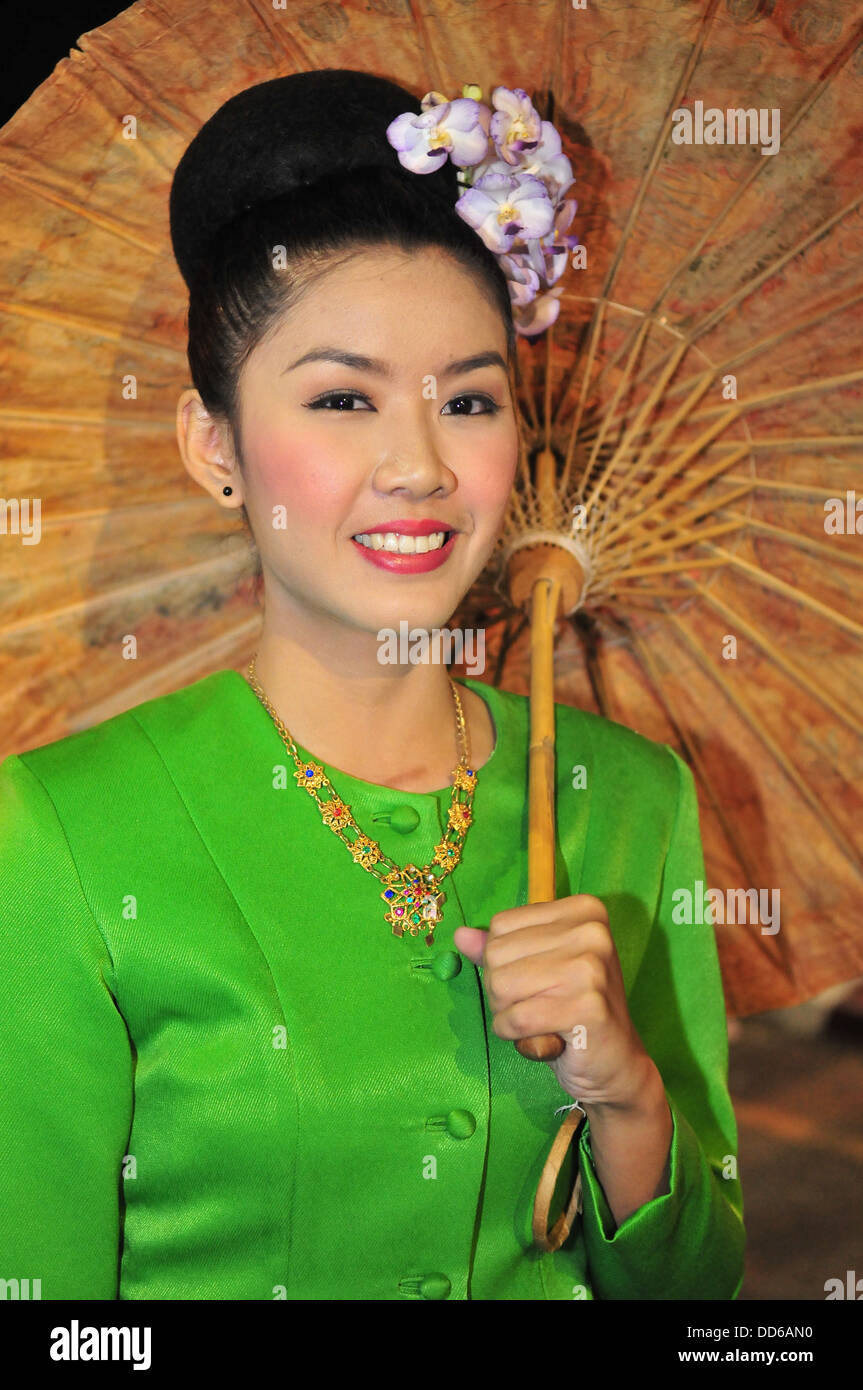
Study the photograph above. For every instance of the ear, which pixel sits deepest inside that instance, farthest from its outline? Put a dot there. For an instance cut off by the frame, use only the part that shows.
(207, 450)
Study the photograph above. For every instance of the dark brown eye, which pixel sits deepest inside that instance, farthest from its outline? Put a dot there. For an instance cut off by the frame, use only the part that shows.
(491, 406)
(339, 398)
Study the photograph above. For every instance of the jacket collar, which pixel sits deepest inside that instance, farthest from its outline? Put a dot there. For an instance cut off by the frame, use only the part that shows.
(227, 787)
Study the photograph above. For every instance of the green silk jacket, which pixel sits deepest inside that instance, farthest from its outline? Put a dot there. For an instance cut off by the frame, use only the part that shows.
(222, 1075)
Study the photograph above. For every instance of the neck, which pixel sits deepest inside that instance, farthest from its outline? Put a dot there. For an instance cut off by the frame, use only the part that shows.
(392, 725)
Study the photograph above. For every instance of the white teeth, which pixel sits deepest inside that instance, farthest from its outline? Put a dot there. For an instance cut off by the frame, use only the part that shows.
(401, 544)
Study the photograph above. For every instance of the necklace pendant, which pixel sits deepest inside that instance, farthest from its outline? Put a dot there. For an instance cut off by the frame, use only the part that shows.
(415, 901)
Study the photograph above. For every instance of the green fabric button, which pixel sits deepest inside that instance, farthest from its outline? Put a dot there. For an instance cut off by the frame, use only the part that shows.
(446, 965)
(460, 1124)
(435, 1286)
(404, 819)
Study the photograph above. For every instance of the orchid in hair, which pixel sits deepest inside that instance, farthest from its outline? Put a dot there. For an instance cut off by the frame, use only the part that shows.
(515, 174)
(516, 126)
(447, 128)
(501, 207)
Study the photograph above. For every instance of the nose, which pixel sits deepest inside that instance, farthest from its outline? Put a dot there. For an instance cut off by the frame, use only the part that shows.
(413, 466)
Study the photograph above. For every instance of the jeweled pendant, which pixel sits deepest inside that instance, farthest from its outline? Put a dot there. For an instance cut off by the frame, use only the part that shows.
(415, 901)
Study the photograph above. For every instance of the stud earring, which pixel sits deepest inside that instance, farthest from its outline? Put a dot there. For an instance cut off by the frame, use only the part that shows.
(227, 491)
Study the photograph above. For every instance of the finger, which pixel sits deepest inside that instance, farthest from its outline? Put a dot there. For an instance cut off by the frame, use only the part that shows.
(546, 1013)
(579, 907)
(551, 972)
(574, 938)
(471, 943)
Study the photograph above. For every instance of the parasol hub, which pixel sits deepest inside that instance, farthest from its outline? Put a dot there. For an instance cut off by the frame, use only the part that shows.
(546, 555)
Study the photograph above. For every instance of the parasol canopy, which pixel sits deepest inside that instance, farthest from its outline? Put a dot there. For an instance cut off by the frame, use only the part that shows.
(699, 397)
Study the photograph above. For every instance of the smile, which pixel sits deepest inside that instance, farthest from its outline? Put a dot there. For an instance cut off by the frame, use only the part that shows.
(401, 554)
(400, 544)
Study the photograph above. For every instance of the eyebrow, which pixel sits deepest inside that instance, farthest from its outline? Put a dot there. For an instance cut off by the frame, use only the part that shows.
(374, 364)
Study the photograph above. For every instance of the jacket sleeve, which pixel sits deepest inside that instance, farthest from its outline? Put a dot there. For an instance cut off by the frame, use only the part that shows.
(66, 1065)
(689, 1242)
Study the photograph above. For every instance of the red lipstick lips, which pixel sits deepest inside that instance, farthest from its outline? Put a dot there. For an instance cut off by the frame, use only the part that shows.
(408, 564)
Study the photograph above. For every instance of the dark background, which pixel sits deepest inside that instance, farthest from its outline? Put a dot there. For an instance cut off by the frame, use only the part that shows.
(34, 42)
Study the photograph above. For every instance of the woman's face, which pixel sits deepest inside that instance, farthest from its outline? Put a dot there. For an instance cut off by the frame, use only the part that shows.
(332, 450)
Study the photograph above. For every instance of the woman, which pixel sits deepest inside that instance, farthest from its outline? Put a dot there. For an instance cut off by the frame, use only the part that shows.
(230, 1068)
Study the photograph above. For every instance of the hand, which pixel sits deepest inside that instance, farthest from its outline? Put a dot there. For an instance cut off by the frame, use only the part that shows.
(553, 968)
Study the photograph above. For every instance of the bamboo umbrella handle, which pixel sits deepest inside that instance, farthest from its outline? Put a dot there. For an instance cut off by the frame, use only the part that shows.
(548, 576)
(541, 778)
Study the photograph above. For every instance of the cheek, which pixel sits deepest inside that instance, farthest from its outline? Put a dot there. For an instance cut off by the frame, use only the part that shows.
(490, 481)
(293, 468)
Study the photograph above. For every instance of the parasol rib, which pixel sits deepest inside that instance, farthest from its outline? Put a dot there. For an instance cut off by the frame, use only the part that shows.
(738, 359)
(425, 48)
(299, 58)
(778, 657)
(821, 548)
(98, 48)
(134, 509)
(750, 286)
(39, 188)
(546, 394)
(607, 419)
(175, 673)
(787, 393)
(815, 443)
(85, 420)
(525, 394)
(665, 431)
(819, 86)
(689, 67)
(835, 831)
(770, 581)
(90, 328)
(684, 489)
(775, 953)
(726, 416)
(675, 543)
(124, 591)
(582, 398)
(649, 538)
(779, 485)
(674, 568)
(77, 67)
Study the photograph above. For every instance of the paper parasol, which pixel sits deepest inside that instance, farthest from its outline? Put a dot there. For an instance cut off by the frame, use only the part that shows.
(698, 398)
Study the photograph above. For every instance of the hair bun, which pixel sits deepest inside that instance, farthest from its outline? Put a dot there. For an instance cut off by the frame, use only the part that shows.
(284, 134)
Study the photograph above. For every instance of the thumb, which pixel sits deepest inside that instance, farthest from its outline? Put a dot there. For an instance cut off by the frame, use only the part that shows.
(471, 942)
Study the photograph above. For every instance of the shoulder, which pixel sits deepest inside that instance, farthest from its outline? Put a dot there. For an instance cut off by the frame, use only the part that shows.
(618, 750)
(108, 753)
(619, 754)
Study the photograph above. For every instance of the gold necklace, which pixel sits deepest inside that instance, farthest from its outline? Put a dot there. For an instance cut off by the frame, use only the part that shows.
(414, 900)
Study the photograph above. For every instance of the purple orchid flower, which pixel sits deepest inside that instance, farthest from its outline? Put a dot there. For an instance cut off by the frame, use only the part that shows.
(501, 207)
(549, 163)
(514, 194)
(516, 128)
(539, 315)
(451, 128)
(548, 255)
(522, 280)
